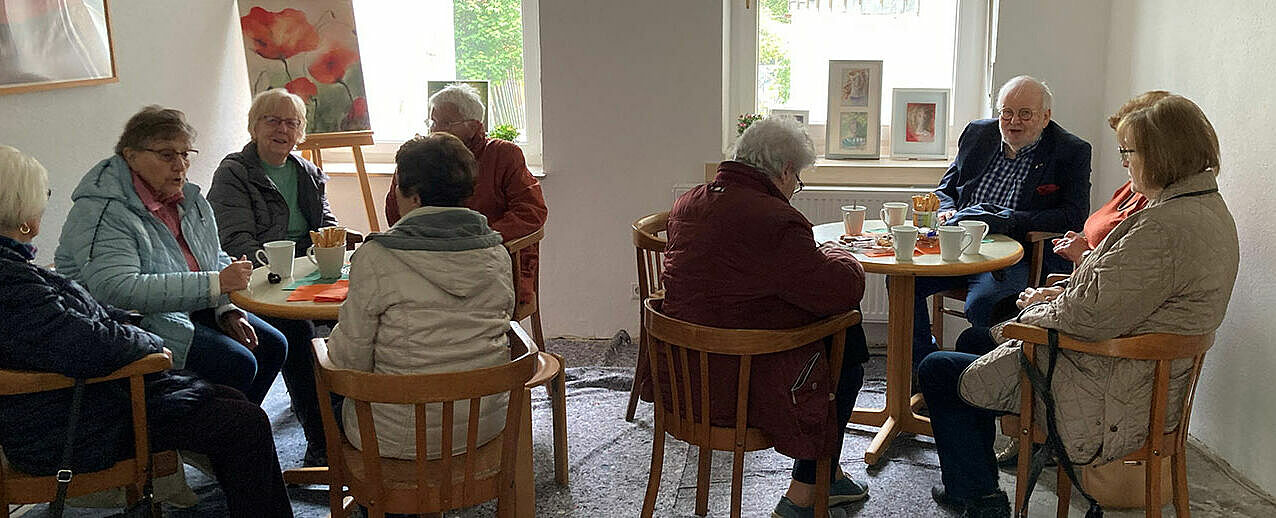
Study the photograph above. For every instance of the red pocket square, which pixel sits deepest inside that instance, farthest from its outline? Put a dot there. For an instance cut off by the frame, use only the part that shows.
(1047, 189)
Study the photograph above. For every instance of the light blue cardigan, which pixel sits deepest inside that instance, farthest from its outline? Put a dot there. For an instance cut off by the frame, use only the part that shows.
(127, 258)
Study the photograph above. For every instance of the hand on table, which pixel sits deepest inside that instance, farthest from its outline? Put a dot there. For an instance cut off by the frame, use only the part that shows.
(1071, 246)
(945, 216)
(1034, 295)
(235, 277)
(236, 326)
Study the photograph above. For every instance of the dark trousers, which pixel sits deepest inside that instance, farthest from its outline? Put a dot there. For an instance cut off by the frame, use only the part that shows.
(299, 377)
(848, 388)
(963, 433)
(220, 359)
(235, 434)
(975, 340)
(984, 292)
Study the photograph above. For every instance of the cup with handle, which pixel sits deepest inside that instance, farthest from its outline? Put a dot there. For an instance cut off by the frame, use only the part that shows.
(905, 240)
(278, 256)
(977, 230)
(953, 240)
(894, 213)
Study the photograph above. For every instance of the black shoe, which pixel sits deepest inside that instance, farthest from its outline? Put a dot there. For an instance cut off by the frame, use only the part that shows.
(944, 499)
(995, 505)
(315, 457)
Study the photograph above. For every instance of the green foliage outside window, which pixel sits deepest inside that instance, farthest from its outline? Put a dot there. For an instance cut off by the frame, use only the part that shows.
(489, 38)
(773, 57)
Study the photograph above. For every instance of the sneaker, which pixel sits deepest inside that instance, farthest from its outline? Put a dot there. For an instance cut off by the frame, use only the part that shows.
(1008, 457)
(845, 491)
(946, 499)
(995, 505)
(787, 509)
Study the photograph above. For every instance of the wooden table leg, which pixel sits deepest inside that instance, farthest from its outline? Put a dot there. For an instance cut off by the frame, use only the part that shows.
(317, 476)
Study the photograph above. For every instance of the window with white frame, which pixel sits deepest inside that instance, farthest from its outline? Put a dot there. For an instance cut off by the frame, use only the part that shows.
(780, 51)
(404, 44)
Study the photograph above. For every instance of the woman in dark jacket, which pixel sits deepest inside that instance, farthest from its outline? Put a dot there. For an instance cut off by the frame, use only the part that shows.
(51, 324)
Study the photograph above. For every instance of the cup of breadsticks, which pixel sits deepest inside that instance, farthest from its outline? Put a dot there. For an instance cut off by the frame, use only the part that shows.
(328, 251)
(925, 210)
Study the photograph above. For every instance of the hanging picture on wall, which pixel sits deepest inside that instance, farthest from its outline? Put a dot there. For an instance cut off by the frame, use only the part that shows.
(311, 49)
(919, 123)
(482, 86)
(47, 45)
(854, 109)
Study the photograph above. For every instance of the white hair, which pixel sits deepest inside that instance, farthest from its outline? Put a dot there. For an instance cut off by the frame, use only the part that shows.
(24, 188)
(271, 99)
(1047, 97)
(464, 97)
(774, 142)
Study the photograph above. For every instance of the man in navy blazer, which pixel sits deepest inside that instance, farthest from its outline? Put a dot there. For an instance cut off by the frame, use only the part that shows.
(1019, 173)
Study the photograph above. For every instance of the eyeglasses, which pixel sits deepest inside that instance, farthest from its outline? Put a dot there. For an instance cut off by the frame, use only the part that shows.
(169, 155)
(434, 125)
(1025, 114)
(1125, 153)
(291, 124)
(800, 185)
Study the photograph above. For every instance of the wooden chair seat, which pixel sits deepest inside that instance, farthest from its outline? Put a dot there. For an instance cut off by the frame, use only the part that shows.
(649, 246)
(399, 483)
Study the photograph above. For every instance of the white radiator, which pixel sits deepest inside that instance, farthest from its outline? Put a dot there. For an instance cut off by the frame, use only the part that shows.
(824, 204)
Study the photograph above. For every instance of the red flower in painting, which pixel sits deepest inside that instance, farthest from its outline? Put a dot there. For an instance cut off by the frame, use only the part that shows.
(279, 35)
(331, 66)
(357, 117)
(303, 87)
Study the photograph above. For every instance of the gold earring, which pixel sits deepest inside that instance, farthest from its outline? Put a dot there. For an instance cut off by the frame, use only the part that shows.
(24, 229)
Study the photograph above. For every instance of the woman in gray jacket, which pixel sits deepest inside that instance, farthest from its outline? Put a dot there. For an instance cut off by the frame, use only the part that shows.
(1168, 268)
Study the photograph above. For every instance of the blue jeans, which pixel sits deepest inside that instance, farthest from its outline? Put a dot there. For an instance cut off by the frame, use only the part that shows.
(963, 433)
(220, 359)
(983, 292)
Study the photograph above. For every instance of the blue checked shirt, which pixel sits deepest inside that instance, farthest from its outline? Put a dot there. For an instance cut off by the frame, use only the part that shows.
(1001, 183)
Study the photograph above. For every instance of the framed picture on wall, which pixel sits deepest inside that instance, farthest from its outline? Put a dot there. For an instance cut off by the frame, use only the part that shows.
(802, 116)
(919, 123)
(47, 45)
(854, 110)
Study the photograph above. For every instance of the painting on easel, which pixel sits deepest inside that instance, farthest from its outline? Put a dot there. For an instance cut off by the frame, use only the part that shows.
(311, 49)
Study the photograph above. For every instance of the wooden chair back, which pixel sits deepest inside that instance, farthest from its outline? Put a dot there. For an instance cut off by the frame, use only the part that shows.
(649, 247)
(386, 485)
(1164, 350)
(527, 308)
(686, 413)
(21, 488)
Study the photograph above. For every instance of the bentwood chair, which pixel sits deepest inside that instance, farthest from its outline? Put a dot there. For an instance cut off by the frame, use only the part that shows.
(1036, 254)
(500, 468)
(550, 367)
(1161, 445)
(682, 408)
(22, 488)
(649, 246)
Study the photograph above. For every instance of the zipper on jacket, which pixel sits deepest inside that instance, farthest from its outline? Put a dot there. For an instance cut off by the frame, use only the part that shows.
(802, 376)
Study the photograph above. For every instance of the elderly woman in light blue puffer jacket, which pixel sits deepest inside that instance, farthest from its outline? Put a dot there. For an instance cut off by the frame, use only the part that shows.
(140, 237)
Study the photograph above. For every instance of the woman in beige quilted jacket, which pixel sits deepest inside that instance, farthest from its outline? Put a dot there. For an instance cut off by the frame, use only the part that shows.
(1168, 268)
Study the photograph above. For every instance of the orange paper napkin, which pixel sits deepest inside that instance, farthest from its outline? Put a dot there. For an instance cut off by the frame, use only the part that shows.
(889, 251)
(335, 292)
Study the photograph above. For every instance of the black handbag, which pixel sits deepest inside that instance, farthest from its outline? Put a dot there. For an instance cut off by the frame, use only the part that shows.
(145, 507)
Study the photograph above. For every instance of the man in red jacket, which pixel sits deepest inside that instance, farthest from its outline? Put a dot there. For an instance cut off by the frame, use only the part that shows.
(740, 256)
(504, 190)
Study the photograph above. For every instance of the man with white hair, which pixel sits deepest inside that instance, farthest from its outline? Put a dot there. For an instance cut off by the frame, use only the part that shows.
(1019, 173)
(504, 189)
(740, 256)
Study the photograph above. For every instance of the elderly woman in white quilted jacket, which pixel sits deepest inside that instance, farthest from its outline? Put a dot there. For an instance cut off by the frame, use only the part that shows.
(432, 294)
(1166, 269)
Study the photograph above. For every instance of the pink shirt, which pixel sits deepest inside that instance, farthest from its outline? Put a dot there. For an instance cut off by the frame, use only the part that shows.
(166, 211)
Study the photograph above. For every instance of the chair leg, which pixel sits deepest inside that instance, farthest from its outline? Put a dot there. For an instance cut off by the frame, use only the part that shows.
(657, 463)
(1064, 492)
(823, 476)
(737, 480)
(1152, 489)
(558, 399)
(639, 373)
(1178, 470)
(702, 480)
(937, 320)
(1021, 471)
(537, 333)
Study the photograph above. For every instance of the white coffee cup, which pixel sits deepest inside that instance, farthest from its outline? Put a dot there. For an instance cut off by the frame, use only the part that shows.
(977, 230)
(905, 240)
(278, 255)
(329, 260)
(853, 218)
(953, 240)
(894, 213)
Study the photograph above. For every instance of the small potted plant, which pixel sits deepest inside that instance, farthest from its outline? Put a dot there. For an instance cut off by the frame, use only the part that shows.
(504, 132)
(745, 121)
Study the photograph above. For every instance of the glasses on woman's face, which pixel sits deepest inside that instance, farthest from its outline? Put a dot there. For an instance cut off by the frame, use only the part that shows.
(169, 155)
(1024, 114)
(1125, 153)
(274, 122)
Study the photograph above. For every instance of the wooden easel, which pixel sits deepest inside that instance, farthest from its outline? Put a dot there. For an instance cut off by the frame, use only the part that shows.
(313, 146)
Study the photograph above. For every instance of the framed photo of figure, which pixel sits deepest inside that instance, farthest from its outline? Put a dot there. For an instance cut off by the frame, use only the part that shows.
(919, 123)
(803, 117)
(47, 45)
(854, 110)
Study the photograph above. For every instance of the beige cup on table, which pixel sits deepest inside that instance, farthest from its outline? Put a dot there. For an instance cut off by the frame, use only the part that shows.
(853, 218)
(905, 240)
(278, 256)
(977, 230)
(894, 213)
(953, 240)
(329, 260)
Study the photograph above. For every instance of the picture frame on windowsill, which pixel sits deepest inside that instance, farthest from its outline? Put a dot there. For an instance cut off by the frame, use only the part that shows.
(919, 123)
(803, 117)
(854, 118)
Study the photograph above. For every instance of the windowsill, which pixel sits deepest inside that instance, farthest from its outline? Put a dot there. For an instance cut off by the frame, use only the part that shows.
(858, 173)
(387, 169)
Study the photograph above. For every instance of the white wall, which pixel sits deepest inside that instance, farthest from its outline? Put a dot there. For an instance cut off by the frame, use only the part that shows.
(185, 55)
(1220, 58)
(631, 100)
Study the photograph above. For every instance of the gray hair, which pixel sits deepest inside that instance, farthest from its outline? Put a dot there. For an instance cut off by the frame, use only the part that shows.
(24, 188)
(774, 142)
(1047, 97)
(153, 122)
(273, 98)
(464, 97)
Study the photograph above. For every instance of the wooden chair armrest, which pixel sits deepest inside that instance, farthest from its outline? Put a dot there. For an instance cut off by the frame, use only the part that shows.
(1151, 346)
(353, 237)
(25, 382)
(520, 243)
(1056, 277)
(1037, 236)
(517, 330)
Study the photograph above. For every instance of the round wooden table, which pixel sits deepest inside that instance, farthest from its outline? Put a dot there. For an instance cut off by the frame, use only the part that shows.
(898, 416)
(265, 299)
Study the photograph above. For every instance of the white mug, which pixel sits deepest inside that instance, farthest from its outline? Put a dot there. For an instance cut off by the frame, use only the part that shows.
(329, 260)
(893, 213)
(977, 230)
(953, 240)
(278, 255)
(853, 218)
(905, 240)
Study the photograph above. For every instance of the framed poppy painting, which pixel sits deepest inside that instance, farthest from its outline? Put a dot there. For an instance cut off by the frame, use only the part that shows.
(311, 49)
(46, 45)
